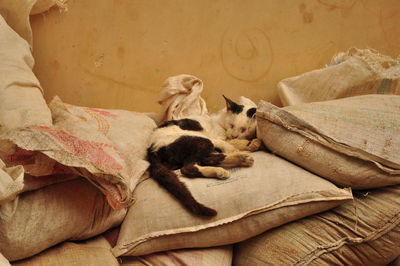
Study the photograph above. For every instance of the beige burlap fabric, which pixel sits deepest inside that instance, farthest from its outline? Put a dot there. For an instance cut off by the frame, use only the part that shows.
(352, 141)
(16, 13)
(221, 256)
(37, 220)
(22, 102)
(11, 182)
(351, 73)
(4, 261)
(92, 252)
(251, 201)
(365, 231)
(106, 146)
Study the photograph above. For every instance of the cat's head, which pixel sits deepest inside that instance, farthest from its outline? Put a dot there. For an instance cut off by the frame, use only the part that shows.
(240, 120)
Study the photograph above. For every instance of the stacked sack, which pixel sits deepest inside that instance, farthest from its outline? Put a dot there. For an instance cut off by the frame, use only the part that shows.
(351, 141)
(66, 172)
(70, 173)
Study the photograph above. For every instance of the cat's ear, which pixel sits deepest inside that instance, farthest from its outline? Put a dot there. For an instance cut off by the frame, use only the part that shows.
(251, 113)
(232, 106)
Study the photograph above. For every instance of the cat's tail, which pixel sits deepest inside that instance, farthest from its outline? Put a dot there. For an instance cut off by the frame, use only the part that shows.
(170, 181)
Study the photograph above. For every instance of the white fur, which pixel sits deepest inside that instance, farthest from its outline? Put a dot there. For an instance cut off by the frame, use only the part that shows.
(217, 127)
(239, 126)
(166, 135)
(225, 125)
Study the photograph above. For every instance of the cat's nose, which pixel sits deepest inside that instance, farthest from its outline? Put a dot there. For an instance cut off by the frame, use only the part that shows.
(234, 136)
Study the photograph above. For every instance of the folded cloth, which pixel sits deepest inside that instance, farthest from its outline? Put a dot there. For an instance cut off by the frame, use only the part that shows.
(181, 98)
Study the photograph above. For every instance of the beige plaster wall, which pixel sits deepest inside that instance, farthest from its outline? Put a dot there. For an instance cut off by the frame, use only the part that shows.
(117, 53)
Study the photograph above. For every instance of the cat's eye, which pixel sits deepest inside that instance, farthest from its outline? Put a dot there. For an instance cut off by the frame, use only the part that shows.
(242, 129)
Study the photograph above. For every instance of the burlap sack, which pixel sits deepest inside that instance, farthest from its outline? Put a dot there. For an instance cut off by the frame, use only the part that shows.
(94, 252)
(16, 13)
(355, 72)
(217, 256)
(352, 141)
(40, 219)
(270, 193)
(106, 146)
(11, 182)
(4, 261)
(43, 5)
(365, 231)
(22, 102)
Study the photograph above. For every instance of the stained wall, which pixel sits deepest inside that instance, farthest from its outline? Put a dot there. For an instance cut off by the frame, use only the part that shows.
(117, 53)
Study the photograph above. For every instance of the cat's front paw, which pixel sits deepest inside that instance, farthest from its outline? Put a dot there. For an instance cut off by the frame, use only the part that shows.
(222, 174)
(254, 145)
(246, 160)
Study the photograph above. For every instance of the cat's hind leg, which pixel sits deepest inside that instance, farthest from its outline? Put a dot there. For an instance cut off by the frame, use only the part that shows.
(223, 146)
(229, 160)
(246, 145)
(237, 159)
(195, 170)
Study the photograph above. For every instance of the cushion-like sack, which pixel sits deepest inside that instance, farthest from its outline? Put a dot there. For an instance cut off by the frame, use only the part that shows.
(4, 261)
(11, 182)
(106, 146)
(94, 252)
(268, 194)
(365, 231)
(16, 13)
(352, 141)
(22, 102)
(203, 256)
(216, 256)
(355, 72)
(37, 220)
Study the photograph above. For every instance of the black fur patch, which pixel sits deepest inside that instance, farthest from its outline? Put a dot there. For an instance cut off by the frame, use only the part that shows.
(251, 112)
(170, 181)
(185, 124)
(232, 106)
(185, 150)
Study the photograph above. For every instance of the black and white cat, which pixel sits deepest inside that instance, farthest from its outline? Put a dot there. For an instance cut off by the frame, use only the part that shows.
(203, 147)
